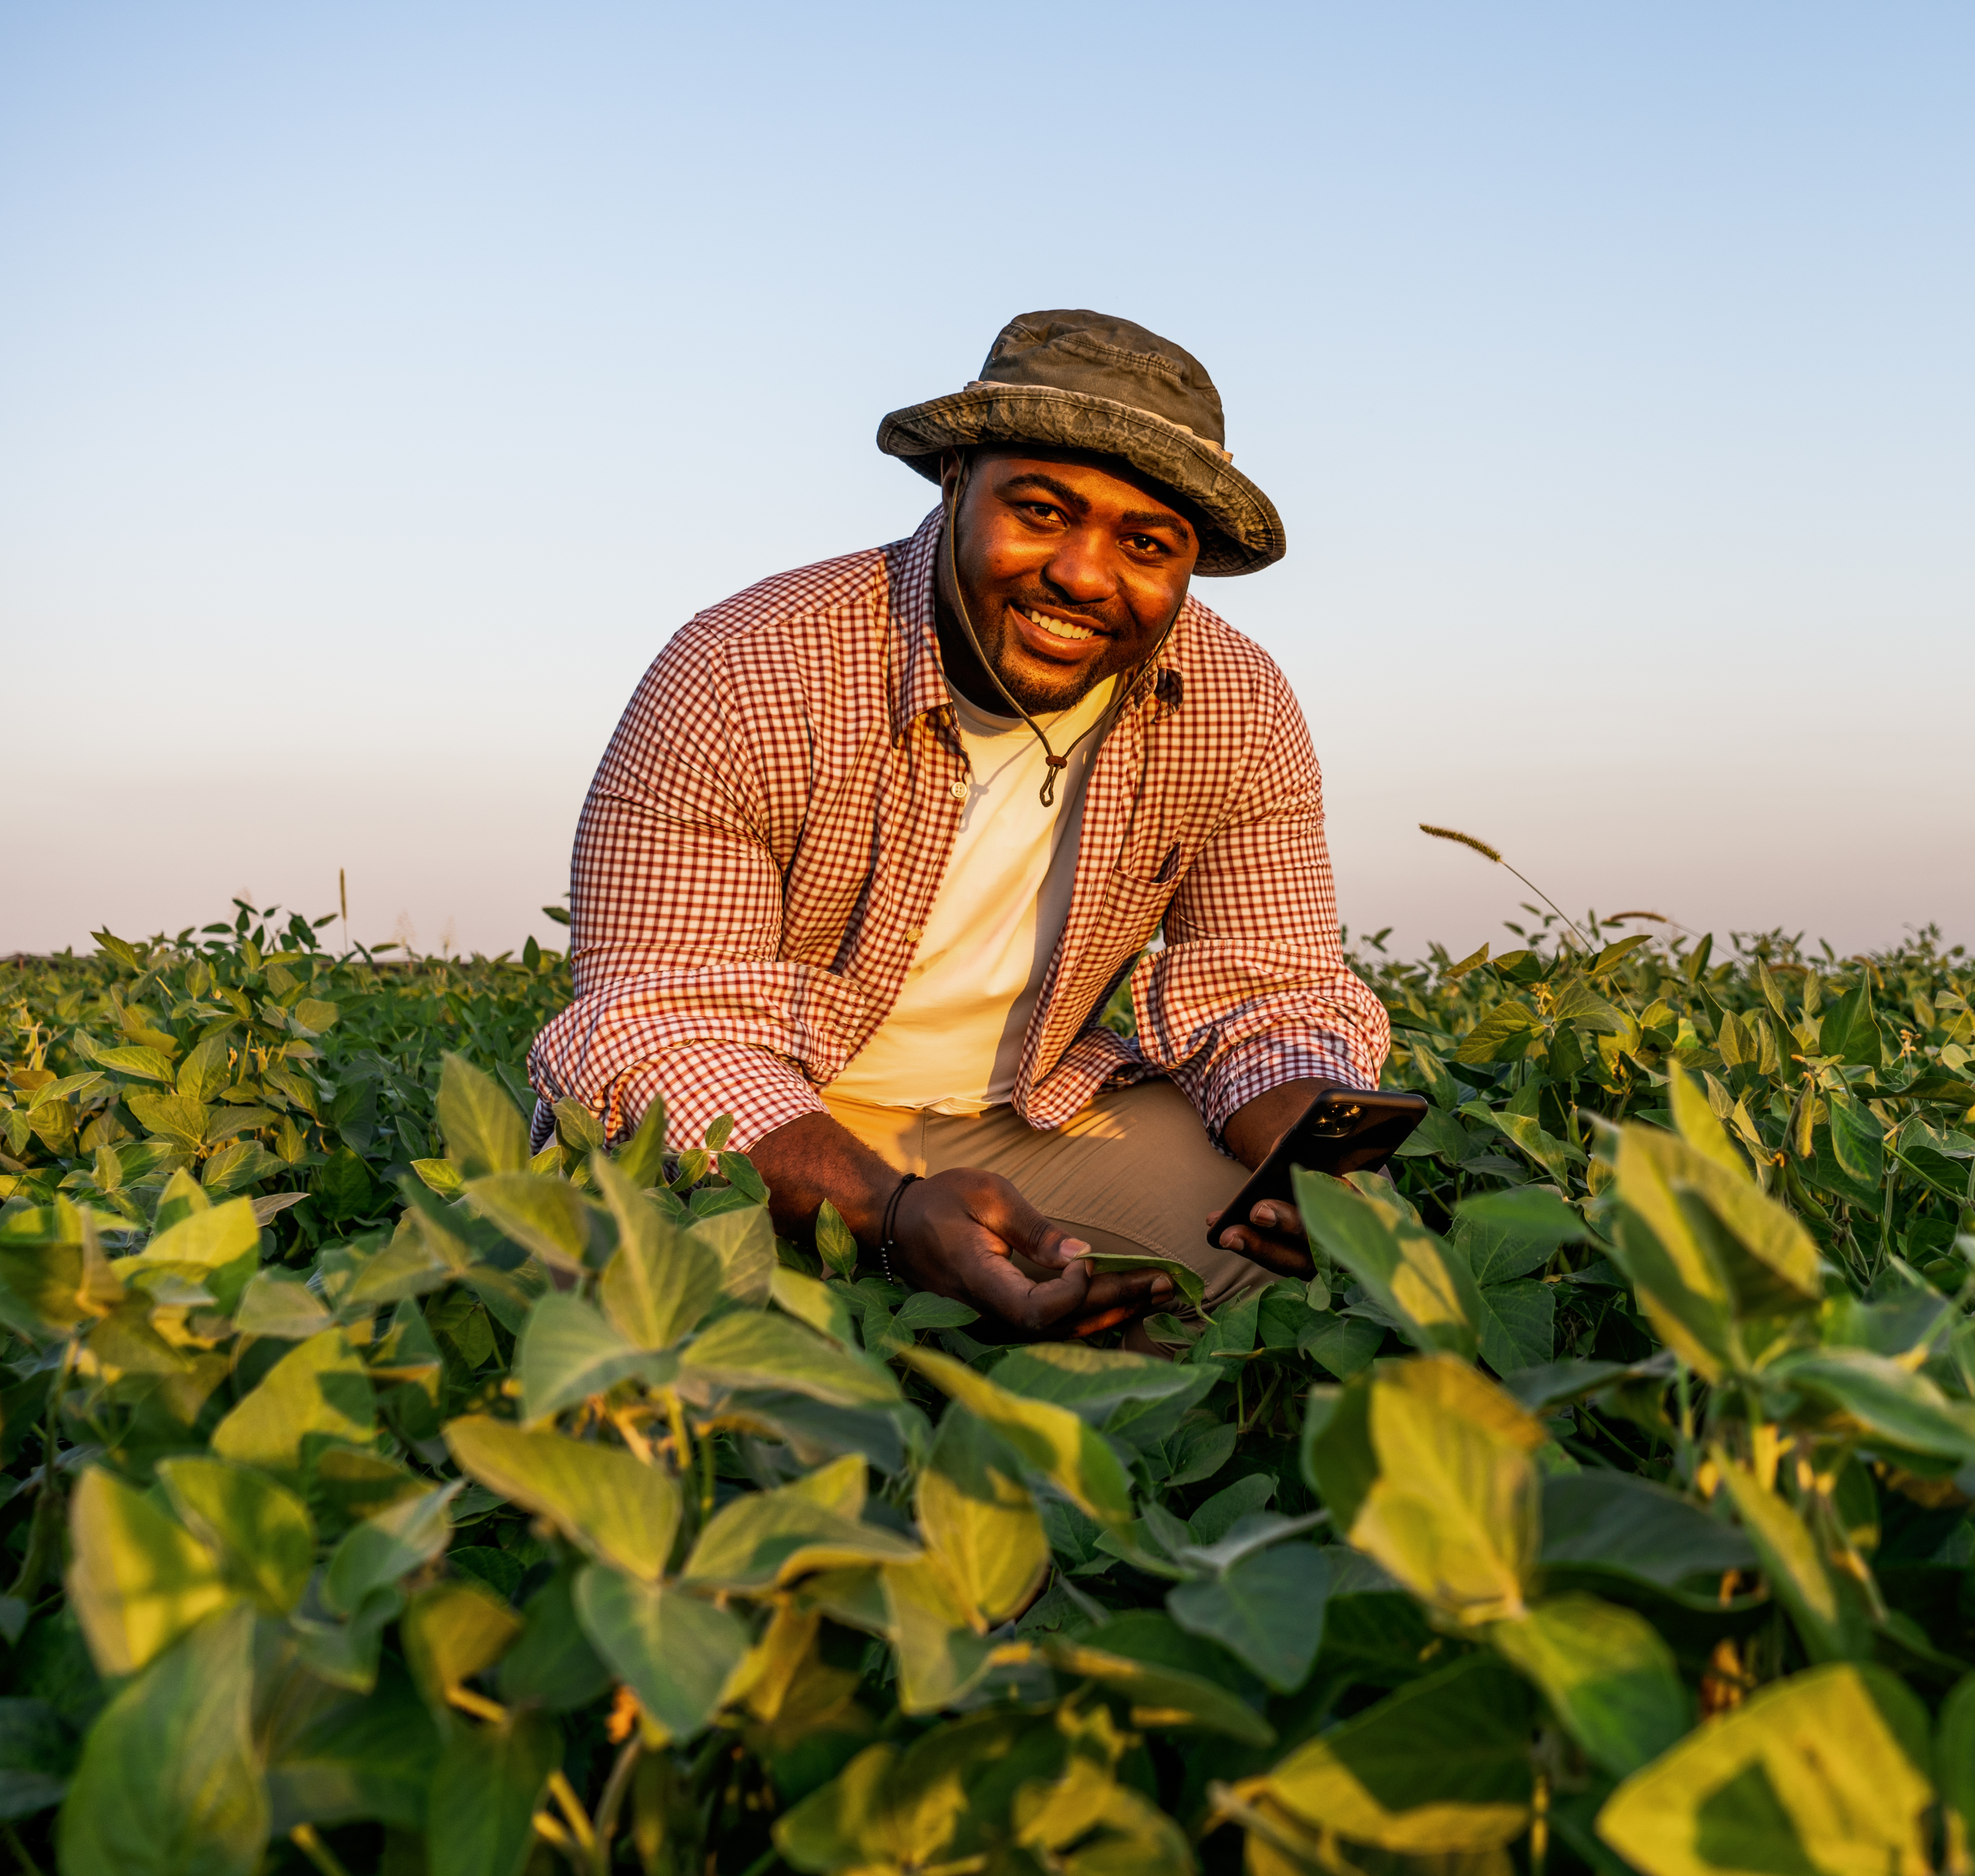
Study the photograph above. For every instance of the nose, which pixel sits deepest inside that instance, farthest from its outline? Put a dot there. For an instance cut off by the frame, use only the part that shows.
(1083, 568)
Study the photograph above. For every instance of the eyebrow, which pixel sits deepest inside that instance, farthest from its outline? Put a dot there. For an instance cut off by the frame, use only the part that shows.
(1077, 506)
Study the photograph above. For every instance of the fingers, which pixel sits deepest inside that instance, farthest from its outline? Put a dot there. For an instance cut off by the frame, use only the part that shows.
(1273, 1237)
(1063, 1306)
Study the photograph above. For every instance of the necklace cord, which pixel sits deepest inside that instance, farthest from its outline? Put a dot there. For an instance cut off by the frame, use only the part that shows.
(1055, 763)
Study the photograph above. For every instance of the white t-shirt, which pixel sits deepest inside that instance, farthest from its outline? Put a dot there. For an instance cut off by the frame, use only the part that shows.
(953, 1039)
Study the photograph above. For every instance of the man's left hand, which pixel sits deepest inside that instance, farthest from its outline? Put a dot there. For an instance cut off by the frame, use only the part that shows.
(1272, 1235)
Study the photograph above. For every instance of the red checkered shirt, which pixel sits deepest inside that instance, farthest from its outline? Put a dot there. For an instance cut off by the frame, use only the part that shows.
(763, 844)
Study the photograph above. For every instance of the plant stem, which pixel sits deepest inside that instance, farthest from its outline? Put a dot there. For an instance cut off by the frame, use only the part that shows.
(612, 1801)
(305, 1840)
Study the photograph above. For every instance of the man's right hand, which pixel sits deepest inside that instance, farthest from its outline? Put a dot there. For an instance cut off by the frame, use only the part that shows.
(958, 1233)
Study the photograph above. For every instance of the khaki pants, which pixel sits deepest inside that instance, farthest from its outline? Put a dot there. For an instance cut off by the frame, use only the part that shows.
(1134, 1172)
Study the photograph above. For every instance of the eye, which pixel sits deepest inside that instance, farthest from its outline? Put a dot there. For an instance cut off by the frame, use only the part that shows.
(1145, 543)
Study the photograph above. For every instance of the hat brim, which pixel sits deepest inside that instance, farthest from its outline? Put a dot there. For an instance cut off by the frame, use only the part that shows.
(1247, 532)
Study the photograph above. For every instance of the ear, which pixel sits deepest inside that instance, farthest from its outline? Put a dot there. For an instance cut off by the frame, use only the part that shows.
(952, 463)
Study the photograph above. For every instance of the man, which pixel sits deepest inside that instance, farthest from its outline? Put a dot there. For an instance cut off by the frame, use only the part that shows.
(876, 840)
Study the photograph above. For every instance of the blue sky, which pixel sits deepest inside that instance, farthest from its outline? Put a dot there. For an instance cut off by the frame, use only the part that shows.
(382, 384)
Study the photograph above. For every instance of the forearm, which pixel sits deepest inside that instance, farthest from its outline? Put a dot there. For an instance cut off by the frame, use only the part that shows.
(814, 1158)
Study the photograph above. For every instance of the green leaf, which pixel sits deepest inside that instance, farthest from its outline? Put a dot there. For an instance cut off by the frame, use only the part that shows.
(939, 1655)
(661, 1281)
(1052, 1440)
(37, 1753)
(553, 1666)
(747, 1350)
(1423, 1284)
(1618, 1525)
(1091, 1382)
(1888, 1402)
(1705, 1250)
(834, 1243)
(829, 1309)
(600, 1497)
(642, 1158)
(1162, 1694)
(1608, 1678)
(479, 1819)
(1426, 1467)
(176, 1117)
(1266, 1610)
(541, 1214)
(205, 1070)
(1441, 1766)
(765, 1540)
(148, 1065)
(319, 1387)
(278, 1303)
(136, 1580)
(1793, 1561)
(1849, 1030)
(346, 1654)
(1341, 1345)
(451, 1632)
(922, 1310)
(1504, 1034)
(1518, 1324)
(743, 1238)
(978, 1519)
(259, 1531)
(168, 1785)
(361, 1756)
(485, 1132)
(1954, 1752)
(1823, 1772)
(220, 1246)
(567, 1353)
(677, 1652)
(1509, 1234)
(441, 1176)
(402, 1537)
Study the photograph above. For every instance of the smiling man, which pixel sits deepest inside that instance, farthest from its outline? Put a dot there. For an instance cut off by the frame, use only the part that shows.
(876, 841)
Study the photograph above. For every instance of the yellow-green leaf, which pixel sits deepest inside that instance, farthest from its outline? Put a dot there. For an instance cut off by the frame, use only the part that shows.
(602, 1498)
(137, 1580)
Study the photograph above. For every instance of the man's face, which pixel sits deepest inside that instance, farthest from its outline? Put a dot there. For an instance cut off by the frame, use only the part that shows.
(1071, 571)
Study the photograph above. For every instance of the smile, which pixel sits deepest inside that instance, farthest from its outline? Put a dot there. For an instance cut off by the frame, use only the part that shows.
(1056, 628)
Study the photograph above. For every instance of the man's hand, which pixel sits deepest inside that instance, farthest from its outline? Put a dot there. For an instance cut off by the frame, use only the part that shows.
(958, 1233)
(1272, 1235)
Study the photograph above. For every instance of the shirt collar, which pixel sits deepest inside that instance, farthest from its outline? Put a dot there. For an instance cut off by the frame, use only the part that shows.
(915, 678)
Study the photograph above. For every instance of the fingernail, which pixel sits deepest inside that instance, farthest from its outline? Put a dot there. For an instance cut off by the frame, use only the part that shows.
(1263, 1214)
(1230, 1240)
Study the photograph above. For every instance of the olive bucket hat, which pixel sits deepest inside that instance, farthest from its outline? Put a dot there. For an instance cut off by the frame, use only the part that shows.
(1071, 380)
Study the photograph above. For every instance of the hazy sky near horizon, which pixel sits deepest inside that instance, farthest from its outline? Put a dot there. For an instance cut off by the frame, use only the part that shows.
(381, 385)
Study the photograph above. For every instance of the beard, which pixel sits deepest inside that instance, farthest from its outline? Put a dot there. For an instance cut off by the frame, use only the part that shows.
(1039, 690)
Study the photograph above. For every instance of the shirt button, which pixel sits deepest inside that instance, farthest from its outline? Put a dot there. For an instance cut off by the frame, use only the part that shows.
(914, 933)
(958, 791)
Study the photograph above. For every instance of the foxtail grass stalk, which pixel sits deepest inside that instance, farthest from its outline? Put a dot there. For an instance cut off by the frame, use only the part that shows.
(1489, 853)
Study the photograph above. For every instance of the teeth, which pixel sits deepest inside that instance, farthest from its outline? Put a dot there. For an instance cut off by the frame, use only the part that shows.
(1058, 628)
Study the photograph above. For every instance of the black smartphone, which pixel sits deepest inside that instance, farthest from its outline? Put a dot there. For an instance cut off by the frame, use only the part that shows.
(1344, 1129)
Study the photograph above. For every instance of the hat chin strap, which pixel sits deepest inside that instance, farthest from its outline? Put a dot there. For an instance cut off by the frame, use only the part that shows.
(1056, 764)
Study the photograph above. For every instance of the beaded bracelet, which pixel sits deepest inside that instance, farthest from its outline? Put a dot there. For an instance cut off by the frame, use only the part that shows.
(887, 1243)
